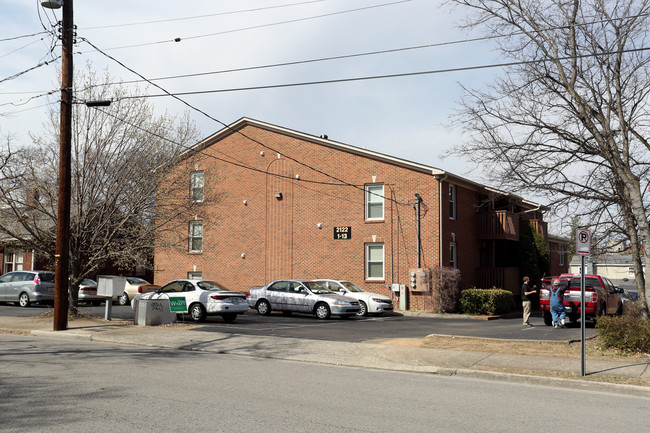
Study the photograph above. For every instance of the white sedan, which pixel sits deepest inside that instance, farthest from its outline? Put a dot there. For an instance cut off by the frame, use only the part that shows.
(199, 298)
(372, 303)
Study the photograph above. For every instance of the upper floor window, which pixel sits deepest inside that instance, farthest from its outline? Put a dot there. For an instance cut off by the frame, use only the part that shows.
(375, 261)
(562, 251)
(375, 201)
(452, 202)
(196, 186)
(196, 236)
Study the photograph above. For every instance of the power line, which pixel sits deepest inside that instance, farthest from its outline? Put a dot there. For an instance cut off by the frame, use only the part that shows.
(202, 16)
(178, 39)
(378, 77)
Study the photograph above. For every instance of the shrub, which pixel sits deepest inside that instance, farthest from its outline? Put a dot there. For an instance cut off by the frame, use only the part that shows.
(446, 292)
(486, 302)
(629, 332)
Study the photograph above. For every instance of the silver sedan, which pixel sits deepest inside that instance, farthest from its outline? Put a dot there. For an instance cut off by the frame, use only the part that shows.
(301, 296)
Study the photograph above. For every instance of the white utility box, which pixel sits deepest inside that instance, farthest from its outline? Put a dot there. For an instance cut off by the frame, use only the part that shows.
(153, 312)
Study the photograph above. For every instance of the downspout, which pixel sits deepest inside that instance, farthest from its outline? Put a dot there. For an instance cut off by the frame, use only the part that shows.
(440, 181)
(417, 227)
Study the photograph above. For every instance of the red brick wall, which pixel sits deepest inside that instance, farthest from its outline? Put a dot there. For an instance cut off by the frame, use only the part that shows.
(261, 229)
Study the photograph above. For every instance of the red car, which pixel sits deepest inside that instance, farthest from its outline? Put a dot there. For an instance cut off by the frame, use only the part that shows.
(601, 297)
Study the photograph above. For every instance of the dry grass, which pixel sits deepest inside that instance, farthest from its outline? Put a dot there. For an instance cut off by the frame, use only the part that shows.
(560, 349)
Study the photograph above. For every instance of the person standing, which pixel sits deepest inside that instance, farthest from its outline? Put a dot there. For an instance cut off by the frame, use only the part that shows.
(558, 312)
(526, 298)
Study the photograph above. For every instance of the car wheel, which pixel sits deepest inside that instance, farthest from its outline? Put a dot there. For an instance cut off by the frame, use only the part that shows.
(96, 303)
(124, 299)
(322, 311)
(363, 309)
(548, 319)
(23, 300)
(229, 318)
(197, 312)
(263, 307)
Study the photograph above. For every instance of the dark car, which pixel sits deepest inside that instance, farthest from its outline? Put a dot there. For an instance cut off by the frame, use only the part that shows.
(25, 287)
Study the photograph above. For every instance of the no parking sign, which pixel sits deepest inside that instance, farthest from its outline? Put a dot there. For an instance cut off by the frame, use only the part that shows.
(583, 242)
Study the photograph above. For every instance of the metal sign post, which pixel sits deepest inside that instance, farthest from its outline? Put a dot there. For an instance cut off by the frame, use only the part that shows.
(583, 248)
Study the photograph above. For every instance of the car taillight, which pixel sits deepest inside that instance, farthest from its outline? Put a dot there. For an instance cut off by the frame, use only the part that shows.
(36, 279)
(139, 289)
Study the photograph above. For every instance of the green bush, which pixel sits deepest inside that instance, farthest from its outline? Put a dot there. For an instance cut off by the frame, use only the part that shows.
(485, 302)
(629, 332)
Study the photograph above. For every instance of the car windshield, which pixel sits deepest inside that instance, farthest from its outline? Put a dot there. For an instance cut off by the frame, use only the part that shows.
(89, 282)
(133, 280)
(316, 287)
(351, 286)
(211, 285)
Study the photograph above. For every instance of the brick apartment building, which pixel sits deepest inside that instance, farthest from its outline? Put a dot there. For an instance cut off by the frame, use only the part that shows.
(277, 203)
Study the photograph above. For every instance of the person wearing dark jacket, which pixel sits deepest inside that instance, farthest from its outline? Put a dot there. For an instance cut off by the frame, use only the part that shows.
(526, 298)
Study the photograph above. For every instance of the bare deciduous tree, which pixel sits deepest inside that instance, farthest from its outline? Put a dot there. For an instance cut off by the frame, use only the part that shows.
(569, 119)
(119, 153)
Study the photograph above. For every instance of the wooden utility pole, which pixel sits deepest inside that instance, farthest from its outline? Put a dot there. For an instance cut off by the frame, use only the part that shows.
(62, 254)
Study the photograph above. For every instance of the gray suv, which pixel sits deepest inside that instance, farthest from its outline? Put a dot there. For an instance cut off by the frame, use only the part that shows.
(301, 296)
(25, 287)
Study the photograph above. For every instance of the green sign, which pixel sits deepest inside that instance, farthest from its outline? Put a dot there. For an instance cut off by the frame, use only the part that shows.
(177, 304)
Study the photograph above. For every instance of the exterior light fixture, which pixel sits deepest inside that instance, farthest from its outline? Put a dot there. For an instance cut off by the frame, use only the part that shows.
(52, 4)
(319, 225)
(245, 202)
(298, 177)
(243, 255)
(278, 195)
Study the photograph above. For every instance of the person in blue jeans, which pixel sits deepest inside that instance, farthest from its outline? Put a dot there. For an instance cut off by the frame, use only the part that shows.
(558, 312)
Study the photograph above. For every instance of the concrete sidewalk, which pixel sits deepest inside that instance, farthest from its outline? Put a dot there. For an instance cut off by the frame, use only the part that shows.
(493, 366)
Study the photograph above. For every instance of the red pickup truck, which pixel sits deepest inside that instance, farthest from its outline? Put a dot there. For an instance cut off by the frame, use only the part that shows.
(601, 297)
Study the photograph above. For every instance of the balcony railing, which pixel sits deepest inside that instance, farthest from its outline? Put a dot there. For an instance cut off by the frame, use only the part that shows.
(501, 278)
(500, 224)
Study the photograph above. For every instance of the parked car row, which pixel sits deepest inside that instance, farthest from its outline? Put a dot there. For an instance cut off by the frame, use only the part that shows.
(319, 297)
(201, 298)
(27, 287)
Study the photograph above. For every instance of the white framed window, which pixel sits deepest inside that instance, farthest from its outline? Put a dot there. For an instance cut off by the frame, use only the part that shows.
(13, 261)
(195, 275)
(375, 261)
(197, 186)
(452, 202)
(374, 201)
(196, 236)
(562, 251)
(453, 255)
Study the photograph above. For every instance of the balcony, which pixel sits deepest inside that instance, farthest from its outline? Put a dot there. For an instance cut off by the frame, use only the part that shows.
(499, 224)
(501, 278)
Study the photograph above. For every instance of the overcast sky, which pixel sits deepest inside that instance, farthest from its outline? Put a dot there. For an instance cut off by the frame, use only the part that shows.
(402, 116)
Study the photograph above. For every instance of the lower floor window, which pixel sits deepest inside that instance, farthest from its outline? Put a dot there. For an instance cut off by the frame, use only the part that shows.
(453, 255)
(13, 261)
(194, 275)
(375, 261)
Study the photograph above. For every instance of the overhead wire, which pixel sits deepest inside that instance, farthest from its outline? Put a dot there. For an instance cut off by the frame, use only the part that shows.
(342, 182)
(178, 39)
(202, 16)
